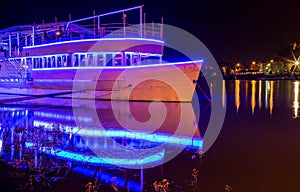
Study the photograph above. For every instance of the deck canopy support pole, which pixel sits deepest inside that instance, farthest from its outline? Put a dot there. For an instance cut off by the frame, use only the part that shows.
(26, 43)
(18, 44)
(9, 45)
(94, 14)
(98, 27)
(152, 29)
(32, 35)
(70, 32)
(161, 28)
(141, 21)
(144, 24)
(124, 24)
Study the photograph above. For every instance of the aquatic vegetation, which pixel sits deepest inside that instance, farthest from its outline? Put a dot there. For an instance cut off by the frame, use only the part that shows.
(92, 187)
(227, 188)
(162, 186)
(195, 176)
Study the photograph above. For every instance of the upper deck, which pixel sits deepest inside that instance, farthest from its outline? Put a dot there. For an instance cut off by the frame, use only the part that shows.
(81, 36)
(99, 45)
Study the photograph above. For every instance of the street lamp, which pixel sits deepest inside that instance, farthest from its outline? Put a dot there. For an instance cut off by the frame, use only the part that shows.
(237, 67)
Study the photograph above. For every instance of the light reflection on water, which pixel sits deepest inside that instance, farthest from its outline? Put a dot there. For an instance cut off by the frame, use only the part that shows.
(37, 133)
(253, 90)
(296, 99)
(257, 147)
(265, 92)
(237, 95)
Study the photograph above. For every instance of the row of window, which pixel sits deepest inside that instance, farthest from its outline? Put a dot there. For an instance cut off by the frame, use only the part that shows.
(88, 60)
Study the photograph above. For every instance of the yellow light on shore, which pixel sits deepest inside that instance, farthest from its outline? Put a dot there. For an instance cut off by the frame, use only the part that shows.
(296, 62)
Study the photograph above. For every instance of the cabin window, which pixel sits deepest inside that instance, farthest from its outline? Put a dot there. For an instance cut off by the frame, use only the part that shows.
(59, 61)
(69, 60)
(64, 61)
(49, 62)
(44, 62)
(152, 60)
(53, 61)
(76, 62)
(135, 59)
(82, 60)
(90, 60)
(40, 64)
(144, 59)
(109, 59)
(100, 60)
(118, 60)
(128, 59)
(35, 61)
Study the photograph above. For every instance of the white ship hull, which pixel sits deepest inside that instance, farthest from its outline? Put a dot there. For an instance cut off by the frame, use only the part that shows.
(170, 82)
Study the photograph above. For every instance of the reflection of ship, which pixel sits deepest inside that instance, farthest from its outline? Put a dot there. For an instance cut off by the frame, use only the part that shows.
(123, 64)
(84, 142)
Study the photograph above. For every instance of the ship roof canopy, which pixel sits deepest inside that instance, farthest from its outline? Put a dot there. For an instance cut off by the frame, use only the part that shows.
(39, 28)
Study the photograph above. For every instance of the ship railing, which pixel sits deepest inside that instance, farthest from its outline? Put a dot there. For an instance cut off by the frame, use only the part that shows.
(11, 68)
(18, 67)
(86, 28)
(111, 30)
(130, 30)
(6, 71)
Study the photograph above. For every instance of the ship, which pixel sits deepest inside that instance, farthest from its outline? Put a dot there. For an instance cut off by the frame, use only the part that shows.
(88, 58)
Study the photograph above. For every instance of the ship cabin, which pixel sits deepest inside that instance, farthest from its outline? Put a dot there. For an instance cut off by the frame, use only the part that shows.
(81, 43)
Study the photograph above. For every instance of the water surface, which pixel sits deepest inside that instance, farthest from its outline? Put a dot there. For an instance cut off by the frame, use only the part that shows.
(56, 144)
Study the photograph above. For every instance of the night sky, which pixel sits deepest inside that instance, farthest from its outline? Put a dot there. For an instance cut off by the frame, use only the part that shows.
(234, 31)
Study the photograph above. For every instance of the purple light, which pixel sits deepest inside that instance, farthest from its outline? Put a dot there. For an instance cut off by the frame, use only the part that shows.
(106, 52)
(120, 67)
(103, 39)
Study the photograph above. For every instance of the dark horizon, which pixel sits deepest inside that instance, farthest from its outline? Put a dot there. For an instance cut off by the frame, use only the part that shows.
(235, 31)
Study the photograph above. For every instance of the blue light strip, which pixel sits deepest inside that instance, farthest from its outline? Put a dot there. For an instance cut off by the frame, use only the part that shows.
(87, 40)
(120, 67)
(62, 117)
(154, 137)
(103, 160)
